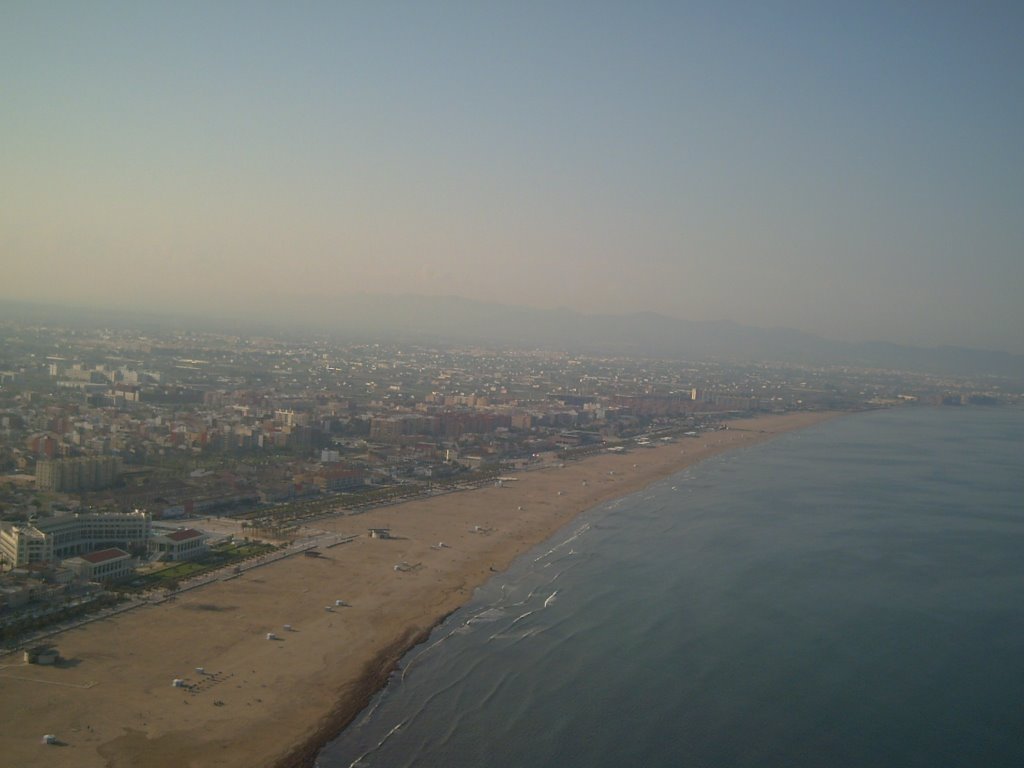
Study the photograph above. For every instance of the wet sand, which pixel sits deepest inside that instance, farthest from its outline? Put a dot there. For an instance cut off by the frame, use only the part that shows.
(263, 702)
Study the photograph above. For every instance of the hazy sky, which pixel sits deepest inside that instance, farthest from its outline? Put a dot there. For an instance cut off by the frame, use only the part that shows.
(853, 169)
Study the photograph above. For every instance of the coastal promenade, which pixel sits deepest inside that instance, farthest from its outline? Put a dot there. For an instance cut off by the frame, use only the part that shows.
(273, 661)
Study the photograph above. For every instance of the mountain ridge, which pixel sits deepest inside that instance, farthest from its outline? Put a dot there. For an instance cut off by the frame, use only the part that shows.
(444, 319)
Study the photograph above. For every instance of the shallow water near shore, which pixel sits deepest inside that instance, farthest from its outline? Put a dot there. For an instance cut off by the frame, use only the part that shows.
(845, 595)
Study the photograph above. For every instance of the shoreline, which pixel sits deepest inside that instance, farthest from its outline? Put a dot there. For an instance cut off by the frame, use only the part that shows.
(278, 703)
(374, 679)
(378, 672)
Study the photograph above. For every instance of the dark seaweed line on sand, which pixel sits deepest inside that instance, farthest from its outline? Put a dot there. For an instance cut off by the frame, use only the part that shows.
(356, 697)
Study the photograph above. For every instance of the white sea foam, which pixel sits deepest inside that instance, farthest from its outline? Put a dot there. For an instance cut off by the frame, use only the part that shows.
(380, 744)
(460, 629)
(490, 614)
(520, 618)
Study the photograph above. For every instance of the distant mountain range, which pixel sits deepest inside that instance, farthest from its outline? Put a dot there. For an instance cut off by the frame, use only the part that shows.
(451, 319)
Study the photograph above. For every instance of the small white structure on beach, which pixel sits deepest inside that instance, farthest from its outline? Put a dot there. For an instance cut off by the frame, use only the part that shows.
(200, 671)
(340, 603)
(271, 636)
(288, 628)
(177, 683)
(41, 654)
(49, 738)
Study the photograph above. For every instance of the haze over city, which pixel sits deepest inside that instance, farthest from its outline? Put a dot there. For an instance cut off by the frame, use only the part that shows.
(851, 171)
(511, 384)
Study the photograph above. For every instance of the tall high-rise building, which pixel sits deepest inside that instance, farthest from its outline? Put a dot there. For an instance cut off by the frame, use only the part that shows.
(86, 473)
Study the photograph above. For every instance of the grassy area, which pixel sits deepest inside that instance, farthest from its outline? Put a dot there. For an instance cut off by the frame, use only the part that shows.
(219, 556)
(301, 510)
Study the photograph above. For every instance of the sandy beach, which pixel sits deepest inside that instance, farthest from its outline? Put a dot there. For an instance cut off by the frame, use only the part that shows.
(261, 702)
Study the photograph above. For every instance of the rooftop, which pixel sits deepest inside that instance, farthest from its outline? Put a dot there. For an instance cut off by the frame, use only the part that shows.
(184, 535)
(103, 555)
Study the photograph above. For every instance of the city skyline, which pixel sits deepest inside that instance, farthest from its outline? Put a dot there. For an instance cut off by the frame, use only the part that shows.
(848, 172)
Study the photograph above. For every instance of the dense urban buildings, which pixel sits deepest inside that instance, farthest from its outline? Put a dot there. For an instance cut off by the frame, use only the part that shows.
(115, 444)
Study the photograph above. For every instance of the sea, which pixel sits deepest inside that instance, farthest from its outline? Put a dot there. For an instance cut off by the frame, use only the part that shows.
(851, 594)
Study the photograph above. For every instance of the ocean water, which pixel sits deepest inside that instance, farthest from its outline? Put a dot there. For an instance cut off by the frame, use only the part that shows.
(847, 595)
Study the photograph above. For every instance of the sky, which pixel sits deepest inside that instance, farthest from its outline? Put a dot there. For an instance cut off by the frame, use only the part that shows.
(850, 169)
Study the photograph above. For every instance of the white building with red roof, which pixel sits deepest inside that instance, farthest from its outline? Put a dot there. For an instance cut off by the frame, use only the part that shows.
(103, 565)
(183, 544)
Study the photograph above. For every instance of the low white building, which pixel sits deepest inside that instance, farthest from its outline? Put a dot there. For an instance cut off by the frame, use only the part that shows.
(186, 544)
(104, 565)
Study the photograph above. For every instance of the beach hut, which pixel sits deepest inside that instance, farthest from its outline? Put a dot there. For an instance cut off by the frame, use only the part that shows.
(41, 654)
(271, 636)
(177, 683)
(49, 738)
